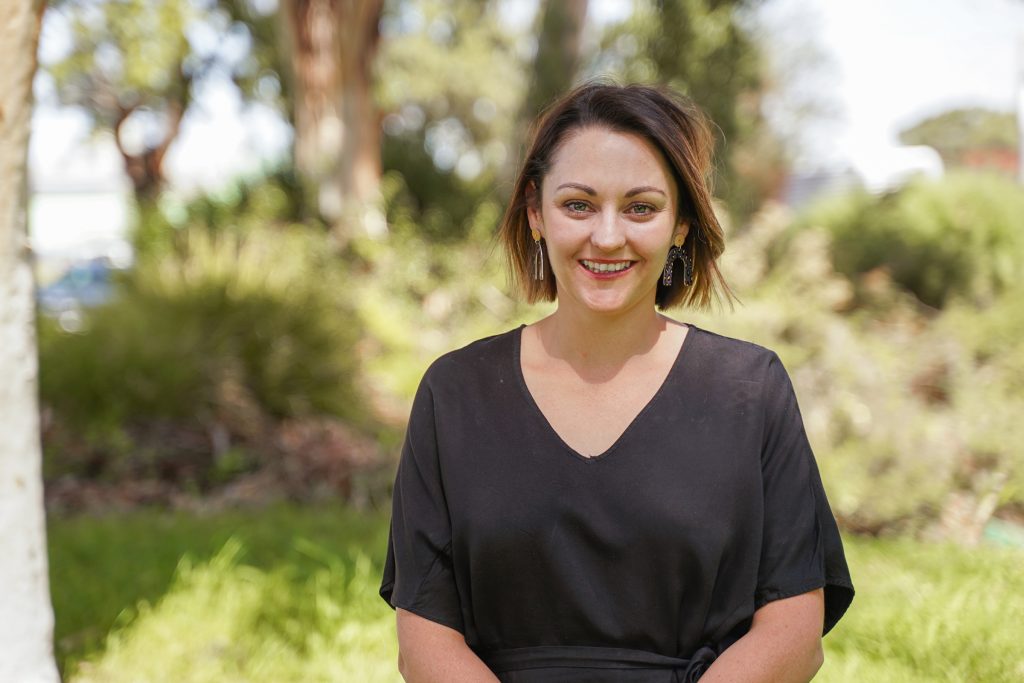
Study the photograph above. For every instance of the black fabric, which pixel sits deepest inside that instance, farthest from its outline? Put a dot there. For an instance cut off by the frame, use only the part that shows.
(707, 507)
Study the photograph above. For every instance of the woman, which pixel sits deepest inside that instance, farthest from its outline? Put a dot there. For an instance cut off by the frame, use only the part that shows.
(608, 494)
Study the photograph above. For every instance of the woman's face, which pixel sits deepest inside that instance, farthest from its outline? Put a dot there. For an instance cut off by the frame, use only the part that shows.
(607, 213)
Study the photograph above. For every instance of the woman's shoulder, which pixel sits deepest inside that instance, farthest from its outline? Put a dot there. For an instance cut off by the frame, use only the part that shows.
(735, 358)
(488, 355)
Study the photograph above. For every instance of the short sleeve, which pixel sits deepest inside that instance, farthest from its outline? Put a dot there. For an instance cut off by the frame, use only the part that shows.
(418, 571)
(801, 547)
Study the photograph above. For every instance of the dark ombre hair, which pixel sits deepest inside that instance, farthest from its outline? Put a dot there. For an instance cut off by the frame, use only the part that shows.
(670, 122)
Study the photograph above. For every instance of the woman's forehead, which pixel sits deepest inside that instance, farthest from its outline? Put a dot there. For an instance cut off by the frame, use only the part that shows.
(609, 161)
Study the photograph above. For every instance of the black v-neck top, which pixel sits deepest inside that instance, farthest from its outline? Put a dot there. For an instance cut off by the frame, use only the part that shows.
(640, 564)
(541, 422)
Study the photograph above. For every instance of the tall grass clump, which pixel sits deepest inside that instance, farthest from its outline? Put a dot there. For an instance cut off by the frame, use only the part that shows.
(223, 331)
(226, 621)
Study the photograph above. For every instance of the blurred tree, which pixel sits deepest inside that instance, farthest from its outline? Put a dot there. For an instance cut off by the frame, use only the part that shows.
(460, 84)
(26, 615)
(972, 137)
(558, 54)
(263, 73)
(128, 67)
(456, 74)
(703, 49)
(134, 66)
(331, 46)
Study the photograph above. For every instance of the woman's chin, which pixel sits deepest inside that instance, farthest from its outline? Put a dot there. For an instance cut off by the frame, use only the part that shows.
(607, 304)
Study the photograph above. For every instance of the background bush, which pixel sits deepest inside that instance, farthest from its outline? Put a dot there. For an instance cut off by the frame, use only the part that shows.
(219, 331)
(913, 413)
(962, 235)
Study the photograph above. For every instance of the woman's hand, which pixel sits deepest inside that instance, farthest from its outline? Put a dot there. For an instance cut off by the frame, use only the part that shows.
(783, 644)
(431, 653)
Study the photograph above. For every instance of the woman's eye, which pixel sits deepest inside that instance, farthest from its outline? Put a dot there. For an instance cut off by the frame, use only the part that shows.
(642, 209)
(576, 206)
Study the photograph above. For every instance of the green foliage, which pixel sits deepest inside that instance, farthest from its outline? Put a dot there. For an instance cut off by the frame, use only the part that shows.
(264, 73)
(293, 597)
(260, 309)
(705, 50)
(126, 54)
(962, 236)
(911, 416)
(418, 297)
(133, 67)
(990, 394)
(131, 50)
(210, 326)
(451, 83)
(128, 69)
(441, 204)
(698, 47)
(239, 208)
(959, 131)
(560, 29)
(102, 569)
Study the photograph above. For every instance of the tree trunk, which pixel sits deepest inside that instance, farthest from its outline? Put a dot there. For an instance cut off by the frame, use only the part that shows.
(558, 54)
(146, 169)
(26, 616)
(332, 44)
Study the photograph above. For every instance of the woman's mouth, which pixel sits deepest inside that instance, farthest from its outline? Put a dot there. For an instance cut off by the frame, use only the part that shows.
(606, 268)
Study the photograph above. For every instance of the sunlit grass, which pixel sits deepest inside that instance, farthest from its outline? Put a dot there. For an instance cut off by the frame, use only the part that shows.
(930, 612)
(102, 567)
(224, 621)
(291, 595)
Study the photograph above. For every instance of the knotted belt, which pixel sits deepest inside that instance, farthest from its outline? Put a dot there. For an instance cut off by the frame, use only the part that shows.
(530, 660)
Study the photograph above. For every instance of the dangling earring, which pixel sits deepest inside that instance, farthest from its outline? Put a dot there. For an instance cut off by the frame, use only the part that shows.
(677, 252)
(538, 256)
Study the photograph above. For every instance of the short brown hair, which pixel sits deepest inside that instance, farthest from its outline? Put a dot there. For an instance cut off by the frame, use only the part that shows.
(670, 122)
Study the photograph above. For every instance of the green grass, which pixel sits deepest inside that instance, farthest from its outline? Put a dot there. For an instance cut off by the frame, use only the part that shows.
(290, 594)
(930, 612)
(101, 568)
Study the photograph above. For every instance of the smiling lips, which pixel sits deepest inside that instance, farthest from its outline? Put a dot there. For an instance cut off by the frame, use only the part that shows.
(606, 269)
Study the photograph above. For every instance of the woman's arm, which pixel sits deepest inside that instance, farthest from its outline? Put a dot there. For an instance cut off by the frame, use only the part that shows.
(783, 644)
(429, 652)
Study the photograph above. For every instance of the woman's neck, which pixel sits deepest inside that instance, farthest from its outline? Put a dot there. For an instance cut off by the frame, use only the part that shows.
(600, 344)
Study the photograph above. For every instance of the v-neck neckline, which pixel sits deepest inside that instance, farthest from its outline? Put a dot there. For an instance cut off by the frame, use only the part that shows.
(517, 363)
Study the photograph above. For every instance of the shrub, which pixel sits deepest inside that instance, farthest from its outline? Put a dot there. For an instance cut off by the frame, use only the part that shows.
(418, 296)
(990, 395)
(962, 236)
(222, 329)
(914, 417)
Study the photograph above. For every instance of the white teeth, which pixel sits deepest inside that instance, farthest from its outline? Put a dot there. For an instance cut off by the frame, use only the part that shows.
(596, 267)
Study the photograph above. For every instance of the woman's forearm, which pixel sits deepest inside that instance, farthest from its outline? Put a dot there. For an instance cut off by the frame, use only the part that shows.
(432, 653)
(755, 659)
(783, 645)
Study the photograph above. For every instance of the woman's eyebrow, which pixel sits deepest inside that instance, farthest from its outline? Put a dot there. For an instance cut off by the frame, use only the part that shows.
(578, 186)
(592, 192)
(644, 188)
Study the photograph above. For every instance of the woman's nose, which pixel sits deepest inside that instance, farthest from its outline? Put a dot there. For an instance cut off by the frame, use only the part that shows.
(609, 234)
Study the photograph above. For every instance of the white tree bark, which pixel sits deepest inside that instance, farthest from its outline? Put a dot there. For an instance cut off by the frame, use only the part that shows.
(26, 616)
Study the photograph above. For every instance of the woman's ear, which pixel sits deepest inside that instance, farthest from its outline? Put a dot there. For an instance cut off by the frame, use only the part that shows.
(682, 230)
(533, 208)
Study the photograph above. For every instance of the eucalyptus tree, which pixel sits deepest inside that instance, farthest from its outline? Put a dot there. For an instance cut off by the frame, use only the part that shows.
(26, 616)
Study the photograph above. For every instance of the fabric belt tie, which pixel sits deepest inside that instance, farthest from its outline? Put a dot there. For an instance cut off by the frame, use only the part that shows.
(553, 656)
